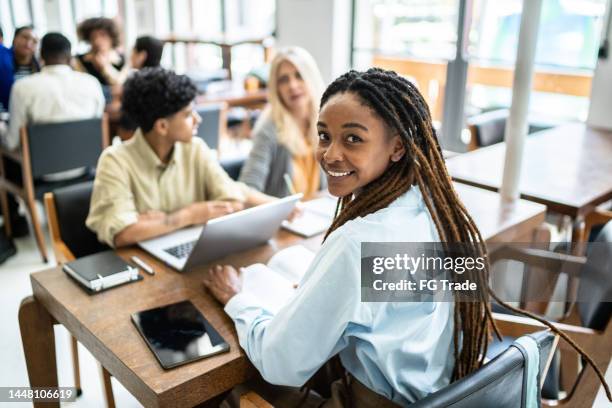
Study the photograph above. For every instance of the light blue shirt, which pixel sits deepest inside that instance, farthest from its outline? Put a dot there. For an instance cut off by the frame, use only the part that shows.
(401, 350)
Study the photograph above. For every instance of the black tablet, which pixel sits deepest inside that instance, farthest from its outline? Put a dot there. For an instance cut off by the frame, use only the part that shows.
(178, 334)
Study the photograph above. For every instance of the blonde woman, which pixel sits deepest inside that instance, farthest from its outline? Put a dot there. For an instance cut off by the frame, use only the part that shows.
(285, 136)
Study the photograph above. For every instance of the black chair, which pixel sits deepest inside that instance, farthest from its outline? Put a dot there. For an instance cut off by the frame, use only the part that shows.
(488, 128)
(67, 210)
(499, 383)
(592, 310)
(214, 123)
(46, 149)
(233, 166)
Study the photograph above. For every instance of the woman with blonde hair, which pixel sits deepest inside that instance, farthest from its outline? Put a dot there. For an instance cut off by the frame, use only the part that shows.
(285, 136)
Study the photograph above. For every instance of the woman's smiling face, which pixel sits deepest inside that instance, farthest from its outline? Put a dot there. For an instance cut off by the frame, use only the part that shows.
(355, 146)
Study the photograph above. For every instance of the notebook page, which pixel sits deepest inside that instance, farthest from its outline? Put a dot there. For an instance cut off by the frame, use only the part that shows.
(270, 288)
(325, 206)
(317, 216)
(292, 262)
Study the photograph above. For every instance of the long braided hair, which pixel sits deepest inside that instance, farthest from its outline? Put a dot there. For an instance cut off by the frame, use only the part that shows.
(403, 109)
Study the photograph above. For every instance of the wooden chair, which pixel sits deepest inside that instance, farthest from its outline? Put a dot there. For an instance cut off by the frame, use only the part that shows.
(45, 149)
(499, 383)
(588, 323)
(67, 210)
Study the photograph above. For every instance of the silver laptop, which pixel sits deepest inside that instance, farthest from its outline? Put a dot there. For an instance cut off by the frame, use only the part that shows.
(194, 246)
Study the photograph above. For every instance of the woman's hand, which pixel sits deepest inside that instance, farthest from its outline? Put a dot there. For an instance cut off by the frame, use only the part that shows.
(223, 282)
(100, 61)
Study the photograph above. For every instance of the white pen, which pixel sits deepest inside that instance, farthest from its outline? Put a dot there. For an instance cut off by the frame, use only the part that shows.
(143, 265)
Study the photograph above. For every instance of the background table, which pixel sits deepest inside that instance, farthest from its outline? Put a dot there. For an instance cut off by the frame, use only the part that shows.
(568, 169)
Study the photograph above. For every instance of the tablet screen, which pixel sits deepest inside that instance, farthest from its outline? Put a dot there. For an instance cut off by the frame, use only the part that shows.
(178, 333)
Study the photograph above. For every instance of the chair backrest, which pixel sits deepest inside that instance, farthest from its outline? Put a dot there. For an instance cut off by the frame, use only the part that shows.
(213, 117)
(596, 282)
(55, 147)
(499, 383)
(488, 128)
(72, 207)
(233, 167)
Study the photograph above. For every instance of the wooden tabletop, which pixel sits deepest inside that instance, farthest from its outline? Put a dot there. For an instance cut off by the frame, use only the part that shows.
(102, 322)
(234, 94)
(568, 168)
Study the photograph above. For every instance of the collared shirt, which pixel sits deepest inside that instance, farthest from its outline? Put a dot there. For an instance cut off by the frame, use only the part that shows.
(401, 350)
(56, 94)
(131, 179)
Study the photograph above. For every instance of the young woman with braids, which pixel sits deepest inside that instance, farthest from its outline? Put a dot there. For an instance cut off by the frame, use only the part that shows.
(379, 151)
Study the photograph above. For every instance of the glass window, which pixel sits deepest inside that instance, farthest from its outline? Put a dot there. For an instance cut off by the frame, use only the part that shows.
(424, 29)
(87, 9)
(568, 41)
(6, 21)
(250, 19)
(568, 36)
(21, 11)
(244, 20)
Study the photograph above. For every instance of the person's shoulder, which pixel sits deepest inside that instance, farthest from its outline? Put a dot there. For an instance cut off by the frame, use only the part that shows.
(27, 83)
(265, 128)
(118, 153)
(346, 237)
(86, 78)
(196, 151)
(196, 146)
(5, 52)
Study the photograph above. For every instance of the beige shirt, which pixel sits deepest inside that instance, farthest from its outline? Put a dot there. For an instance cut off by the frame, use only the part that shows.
(131, 179)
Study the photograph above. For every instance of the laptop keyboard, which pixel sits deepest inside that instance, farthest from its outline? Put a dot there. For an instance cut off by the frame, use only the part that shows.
(181, 251)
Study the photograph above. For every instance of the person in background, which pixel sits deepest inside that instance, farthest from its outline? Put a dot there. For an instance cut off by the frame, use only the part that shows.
(163, 178)
(103, 61)
(147, 53)
(57, 93)
(24, 48)
(17, 62)
(285, 136)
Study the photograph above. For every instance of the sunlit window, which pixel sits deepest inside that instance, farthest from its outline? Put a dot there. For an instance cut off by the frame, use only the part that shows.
(423, 29)
(568, 41)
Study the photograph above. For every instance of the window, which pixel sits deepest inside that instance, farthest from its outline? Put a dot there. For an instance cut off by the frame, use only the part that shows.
(568, 41)
(568, 37)
(221, 20)
(422, 29)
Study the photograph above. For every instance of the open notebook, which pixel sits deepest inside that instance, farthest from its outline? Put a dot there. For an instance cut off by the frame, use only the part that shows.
(316, 218)
(274, 284)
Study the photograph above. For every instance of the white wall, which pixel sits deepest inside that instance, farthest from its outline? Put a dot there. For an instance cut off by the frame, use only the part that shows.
(320, 26)
(601, 92)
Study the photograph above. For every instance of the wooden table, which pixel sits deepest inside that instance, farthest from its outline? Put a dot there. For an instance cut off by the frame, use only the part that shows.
(568, 169)
(234, 95)
(102, 322)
